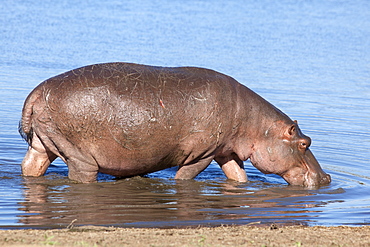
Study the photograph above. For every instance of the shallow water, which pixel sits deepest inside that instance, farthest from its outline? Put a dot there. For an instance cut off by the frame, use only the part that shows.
(309, 58)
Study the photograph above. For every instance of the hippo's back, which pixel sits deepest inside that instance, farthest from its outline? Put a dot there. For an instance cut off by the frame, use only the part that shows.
(138, 98)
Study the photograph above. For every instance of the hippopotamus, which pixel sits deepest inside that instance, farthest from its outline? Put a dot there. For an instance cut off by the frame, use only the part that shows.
(128, 119)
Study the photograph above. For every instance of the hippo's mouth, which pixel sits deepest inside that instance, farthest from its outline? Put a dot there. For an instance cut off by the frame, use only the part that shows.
(318, 180)
(307, 179)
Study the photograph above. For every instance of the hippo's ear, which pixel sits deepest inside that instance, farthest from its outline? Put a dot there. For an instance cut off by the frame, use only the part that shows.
(290, 131)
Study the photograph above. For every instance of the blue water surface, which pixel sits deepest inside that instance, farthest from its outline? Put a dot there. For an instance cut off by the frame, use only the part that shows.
(311, 59)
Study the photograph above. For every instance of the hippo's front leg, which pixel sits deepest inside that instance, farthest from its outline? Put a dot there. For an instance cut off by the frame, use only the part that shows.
(233, 168)
(81, 171)
(190, 171)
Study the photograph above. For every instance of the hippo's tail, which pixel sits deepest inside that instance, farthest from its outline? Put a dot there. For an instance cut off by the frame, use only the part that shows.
(25, 135)
(25, 127)
(25, 124)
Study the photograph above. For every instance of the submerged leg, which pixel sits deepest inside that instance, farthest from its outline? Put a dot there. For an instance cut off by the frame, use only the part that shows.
(81, 171)
(192, 170)
(233, 168)
(37, 159)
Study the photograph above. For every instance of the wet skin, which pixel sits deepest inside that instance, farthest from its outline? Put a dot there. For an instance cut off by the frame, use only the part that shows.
(127, 119)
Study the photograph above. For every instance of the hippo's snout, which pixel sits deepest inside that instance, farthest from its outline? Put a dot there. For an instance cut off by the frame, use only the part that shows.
(307, 173)
(315, 176)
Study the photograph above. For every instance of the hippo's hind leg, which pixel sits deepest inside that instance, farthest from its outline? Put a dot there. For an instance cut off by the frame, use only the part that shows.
(233, 168)
(37, 159)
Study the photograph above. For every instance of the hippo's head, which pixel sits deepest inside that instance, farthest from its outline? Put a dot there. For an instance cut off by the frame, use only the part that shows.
(284, 150)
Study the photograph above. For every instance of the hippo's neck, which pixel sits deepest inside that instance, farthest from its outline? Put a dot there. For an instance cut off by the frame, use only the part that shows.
(254, 117)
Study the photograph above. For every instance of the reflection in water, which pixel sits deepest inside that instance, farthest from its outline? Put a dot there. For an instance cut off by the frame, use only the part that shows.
(56, 202)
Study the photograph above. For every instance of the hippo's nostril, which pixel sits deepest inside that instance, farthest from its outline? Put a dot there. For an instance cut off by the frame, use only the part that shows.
(326, 179)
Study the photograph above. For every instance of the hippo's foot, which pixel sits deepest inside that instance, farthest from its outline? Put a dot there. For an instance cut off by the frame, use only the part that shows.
(190, 171)
(233, 168)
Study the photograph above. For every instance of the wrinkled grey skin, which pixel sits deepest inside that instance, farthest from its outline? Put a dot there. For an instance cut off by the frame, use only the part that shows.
(127, 119)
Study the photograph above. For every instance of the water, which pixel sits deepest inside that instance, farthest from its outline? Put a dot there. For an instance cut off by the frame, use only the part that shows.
(309, 58)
